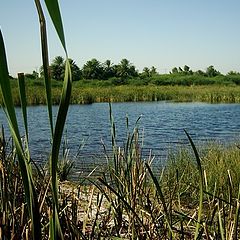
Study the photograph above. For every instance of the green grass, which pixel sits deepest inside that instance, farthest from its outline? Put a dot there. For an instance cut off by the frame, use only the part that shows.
(219, 163)
(84, 94)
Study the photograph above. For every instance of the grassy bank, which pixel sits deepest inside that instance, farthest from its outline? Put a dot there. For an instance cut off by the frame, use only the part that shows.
(86, 93)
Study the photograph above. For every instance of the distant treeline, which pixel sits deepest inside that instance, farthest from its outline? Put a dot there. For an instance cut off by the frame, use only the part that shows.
(126, 73)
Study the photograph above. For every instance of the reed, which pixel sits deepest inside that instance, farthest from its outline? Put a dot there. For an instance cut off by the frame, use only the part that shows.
(22, 150)
(192, 197)
(84, 94)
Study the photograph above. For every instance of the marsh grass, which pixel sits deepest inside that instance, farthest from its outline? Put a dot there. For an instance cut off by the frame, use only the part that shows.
(220, 164)
(86, 94)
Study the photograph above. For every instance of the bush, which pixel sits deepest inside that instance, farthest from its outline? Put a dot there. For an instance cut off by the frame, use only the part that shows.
(119, 81)
(233, 78)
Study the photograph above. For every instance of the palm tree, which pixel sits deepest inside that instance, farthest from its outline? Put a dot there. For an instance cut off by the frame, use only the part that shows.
(153, 71)
(76, 72)
(146, 72)
(212, 72)
(57, 68)
(125, 69)
(109, 70)
(92, 69)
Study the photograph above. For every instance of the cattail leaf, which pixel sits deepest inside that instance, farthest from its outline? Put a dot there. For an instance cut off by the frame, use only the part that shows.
(45, 60)
(25, 168)
(54, 12)
(201, 182)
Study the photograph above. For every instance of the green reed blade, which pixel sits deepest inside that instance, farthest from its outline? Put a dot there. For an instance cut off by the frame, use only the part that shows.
(54, 11)
(51, 229)
(45, 60)
(25, 168)
(199, 165)
(6, 88)
(113, 138)
(23, 99)
(61, 118)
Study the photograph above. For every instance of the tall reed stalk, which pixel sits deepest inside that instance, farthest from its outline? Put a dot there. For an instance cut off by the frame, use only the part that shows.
(56, 131)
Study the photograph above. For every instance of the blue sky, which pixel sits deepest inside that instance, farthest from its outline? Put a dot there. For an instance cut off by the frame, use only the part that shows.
(160, 33)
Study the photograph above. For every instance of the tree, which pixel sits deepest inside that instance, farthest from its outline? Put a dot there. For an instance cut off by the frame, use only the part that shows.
(125, 69)
(153, 71)
(41, 72)
(231, 73)
(76, 72)
(186, 69)
(212, 72)
(57, 68)
(109, 70)
(174, 70)
(33, 75)
(200, 73)
(146, 72)
(149, 72)
(92, 69)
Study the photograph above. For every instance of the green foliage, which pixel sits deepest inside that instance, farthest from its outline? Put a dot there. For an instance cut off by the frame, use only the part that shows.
(231, 73)
(33, 75)
(118, 81)
(76, 72)
(234, 78)
(147, 73)
(95, 70)
(125, 69)
(57, 68)
(212, 72)
(92, 69)
(109, 70)
(90, 91)
(133, 200)
(192, 79)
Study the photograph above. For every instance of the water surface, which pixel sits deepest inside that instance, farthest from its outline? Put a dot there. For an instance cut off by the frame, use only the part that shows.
(161, 127)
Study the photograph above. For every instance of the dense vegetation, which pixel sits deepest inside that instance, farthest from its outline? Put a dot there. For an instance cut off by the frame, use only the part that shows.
(89, 91)
(103, 82)
(126, 73)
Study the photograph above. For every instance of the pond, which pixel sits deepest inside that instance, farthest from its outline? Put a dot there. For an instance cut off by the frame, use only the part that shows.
(161, 128)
